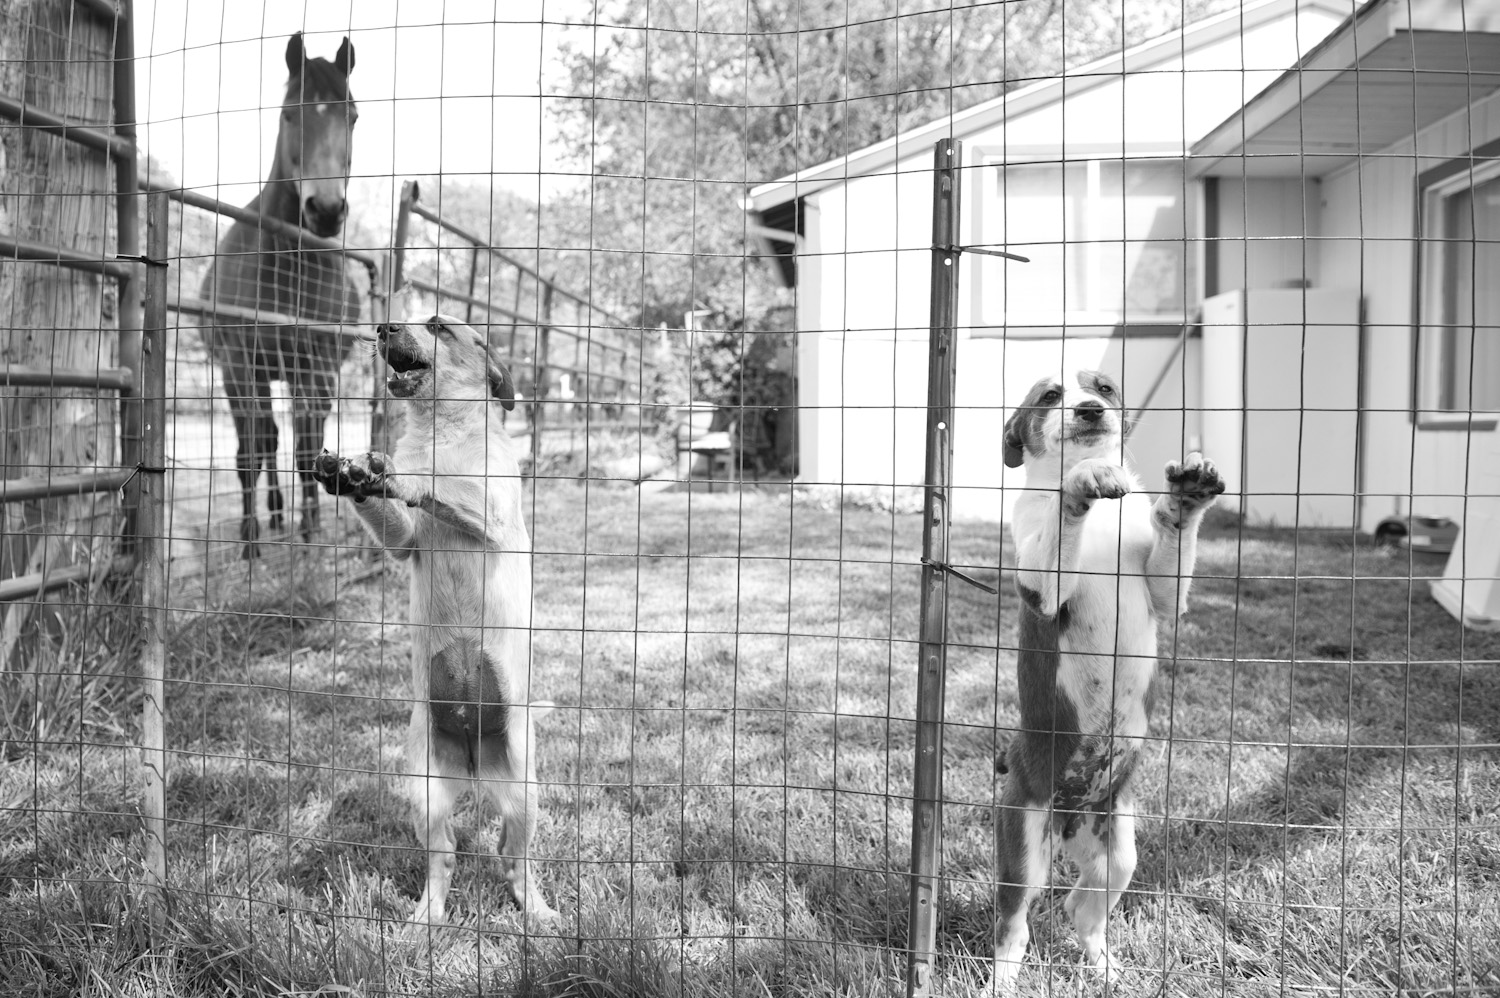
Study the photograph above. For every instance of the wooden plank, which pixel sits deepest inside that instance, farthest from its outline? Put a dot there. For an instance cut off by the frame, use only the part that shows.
(30, 251)
(51, 486)
(31, 376)
(27, 586)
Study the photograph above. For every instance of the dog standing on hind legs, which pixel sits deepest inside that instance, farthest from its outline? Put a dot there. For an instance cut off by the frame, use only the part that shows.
(449, 500)
(1098, 567)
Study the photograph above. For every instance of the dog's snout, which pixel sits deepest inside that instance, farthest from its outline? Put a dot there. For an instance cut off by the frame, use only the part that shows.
(1089, 411)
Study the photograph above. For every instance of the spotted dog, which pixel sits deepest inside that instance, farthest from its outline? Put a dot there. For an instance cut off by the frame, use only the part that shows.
(449, 500)
(1098, 567)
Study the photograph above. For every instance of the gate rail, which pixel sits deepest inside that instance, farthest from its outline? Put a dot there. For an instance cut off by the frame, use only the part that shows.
(619, 371)
(118, 143)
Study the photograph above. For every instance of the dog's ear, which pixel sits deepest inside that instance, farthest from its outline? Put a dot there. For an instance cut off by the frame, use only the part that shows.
(1015, 437)
(502, 386)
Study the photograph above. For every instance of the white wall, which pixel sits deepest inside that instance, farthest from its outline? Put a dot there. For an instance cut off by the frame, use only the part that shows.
(1369, 229)
(1275, 213)
(864, 275)
(862, 322)
(1281, 385)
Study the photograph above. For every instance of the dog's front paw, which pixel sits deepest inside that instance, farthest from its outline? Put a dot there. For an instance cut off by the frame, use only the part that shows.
(360, 477)
(1093, 479)
(1194, 483)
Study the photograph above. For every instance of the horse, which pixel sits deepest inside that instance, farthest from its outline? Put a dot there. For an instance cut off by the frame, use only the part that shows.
(254, 268)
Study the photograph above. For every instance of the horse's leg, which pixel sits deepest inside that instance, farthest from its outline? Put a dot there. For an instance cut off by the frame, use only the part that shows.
(312, 400)
(255, 428)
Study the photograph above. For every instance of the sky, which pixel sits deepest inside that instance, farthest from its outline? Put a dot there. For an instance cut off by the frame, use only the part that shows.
(457, 89)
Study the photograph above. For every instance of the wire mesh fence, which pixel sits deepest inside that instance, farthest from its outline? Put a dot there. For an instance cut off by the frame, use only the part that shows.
(744, 535)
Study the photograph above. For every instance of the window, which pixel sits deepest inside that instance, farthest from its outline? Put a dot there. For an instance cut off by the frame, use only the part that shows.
(1106, 239)
(1459, 359)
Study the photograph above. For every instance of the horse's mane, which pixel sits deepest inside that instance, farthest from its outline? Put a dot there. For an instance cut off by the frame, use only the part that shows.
(320, 80)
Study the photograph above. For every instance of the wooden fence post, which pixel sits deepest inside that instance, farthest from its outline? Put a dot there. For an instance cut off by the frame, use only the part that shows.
(150, 494)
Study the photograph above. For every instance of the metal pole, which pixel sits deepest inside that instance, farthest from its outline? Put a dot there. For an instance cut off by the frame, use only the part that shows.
(128, 244)
(927, 790)
(150, 519)
(382, 432)
(473, 279)
(540, 386)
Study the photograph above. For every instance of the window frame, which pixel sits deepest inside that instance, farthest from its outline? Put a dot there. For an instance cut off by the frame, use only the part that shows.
(991, 319)
(1434, 395)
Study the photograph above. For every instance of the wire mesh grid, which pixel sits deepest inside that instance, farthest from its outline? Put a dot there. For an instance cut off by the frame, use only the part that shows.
(691, 242)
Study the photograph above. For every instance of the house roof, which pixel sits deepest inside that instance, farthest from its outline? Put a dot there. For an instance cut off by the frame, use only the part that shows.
(1386, 72)
(885, 154)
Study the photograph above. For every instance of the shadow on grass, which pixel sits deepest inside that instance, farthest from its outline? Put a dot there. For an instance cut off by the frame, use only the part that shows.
(1319, 708)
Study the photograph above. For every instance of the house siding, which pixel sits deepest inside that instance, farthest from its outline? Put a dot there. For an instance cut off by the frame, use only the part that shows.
(1370, 242)
(863, 295)
(1260, 241)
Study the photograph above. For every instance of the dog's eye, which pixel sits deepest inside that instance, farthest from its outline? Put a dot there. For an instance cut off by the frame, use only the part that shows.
(1105, 389)
(1051, 397)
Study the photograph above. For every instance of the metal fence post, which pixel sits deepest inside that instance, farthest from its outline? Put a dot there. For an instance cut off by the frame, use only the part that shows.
(382, 433)
(150, 493)
(540, 386)
(927, 788)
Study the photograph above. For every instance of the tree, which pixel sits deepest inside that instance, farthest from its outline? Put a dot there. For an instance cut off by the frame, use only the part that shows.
(676, 108)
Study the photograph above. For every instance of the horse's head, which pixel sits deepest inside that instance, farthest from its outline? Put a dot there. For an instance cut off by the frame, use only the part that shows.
(317, 123)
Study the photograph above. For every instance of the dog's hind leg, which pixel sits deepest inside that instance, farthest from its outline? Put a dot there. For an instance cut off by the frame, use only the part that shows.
(1103, 846)
(1024, 844)
(431, 757)
(511, 783)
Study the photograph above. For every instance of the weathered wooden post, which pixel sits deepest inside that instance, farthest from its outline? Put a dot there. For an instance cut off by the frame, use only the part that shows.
(150, 494)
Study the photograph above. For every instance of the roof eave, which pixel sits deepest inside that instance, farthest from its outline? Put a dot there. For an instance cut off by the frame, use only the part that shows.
(1361, 33)
(887, 152)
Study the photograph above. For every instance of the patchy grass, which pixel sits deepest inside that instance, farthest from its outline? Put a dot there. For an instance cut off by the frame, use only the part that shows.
(726, 808)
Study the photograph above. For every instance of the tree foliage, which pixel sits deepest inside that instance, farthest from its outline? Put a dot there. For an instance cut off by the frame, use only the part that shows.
(677, 108)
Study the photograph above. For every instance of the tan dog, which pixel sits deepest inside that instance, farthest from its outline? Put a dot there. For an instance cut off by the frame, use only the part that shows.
(450, 500)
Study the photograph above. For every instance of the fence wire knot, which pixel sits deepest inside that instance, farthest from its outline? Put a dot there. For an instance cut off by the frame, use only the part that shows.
(140, 258)
(945, 567)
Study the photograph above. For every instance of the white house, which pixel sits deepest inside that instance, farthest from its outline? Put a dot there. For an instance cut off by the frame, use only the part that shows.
(1087, 174)
(1368, 174)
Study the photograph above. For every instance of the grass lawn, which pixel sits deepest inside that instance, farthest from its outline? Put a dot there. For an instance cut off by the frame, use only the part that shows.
(726, 808)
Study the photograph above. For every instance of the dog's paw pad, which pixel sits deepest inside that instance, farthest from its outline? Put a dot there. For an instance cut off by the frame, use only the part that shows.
(325, 465)
(332, 472)
(1194, 480)
(369, 475)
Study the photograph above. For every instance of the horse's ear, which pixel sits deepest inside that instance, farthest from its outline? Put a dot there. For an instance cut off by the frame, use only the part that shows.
(294, 54)
(501, 385)
(344, 61)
